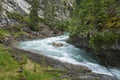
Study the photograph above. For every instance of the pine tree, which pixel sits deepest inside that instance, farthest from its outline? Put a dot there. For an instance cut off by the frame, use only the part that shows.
(49, 12)
(96, 20)
(34, 18)
(0, 6)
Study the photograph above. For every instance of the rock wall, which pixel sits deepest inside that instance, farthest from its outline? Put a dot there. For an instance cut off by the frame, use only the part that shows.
(61, 9)
(108, 55)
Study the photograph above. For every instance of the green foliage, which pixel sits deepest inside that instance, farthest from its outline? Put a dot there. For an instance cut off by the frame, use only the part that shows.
(7, 63)
(9, 67)
(49, 12)
(33, 17)
(91, 14)
(39, 76)
(4, 33)
(62, 25)
(17, 34)
(0, 6)
(24, 60)
(102, 39)
(18, 17)
(98, 18)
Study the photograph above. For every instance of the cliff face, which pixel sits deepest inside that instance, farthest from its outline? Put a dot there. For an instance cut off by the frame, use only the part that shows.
(60, 12)
(107, 55)
(95, 27)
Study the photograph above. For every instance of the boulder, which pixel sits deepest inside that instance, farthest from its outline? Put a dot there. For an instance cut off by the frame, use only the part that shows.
(57, 44)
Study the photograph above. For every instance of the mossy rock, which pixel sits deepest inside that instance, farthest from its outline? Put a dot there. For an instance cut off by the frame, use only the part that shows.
(4, 33)
(18, 17)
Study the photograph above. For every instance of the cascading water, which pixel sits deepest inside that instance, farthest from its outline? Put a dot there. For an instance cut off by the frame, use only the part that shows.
(66, 53)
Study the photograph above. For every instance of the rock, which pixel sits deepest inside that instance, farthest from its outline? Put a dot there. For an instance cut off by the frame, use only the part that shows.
(20, 69)
(23, 7)
(107, 55)
(69, 71)
(57, 44)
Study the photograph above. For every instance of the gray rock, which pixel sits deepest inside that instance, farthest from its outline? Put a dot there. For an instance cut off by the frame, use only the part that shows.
(69, 71)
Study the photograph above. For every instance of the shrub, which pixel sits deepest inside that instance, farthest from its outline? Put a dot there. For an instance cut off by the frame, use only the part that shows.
(17, 16)
(101, 39)
(33, 17)
(0, 6)
(4, 33)
(62, 25)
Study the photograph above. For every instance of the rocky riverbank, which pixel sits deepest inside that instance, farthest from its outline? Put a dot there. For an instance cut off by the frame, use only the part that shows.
(107, 55)
(12, 35)
(69, 71)
(12, 32)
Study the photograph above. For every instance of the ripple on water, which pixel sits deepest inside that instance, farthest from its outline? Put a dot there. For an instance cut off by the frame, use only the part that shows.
(66, 53)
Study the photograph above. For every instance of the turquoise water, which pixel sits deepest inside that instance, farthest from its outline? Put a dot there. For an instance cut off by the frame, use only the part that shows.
(66, 53)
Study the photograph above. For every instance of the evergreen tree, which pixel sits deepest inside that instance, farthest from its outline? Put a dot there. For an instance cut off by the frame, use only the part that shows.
(34, 18)
(0, 6)
(49, 12)
(0, 9)
(96, 18)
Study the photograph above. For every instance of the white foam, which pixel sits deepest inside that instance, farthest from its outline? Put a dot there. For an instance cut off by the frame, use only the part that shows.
(67, 53)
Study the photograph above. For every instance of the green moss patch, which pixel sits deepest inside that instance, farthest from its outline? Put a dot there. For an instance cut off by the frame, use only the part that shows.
(17, 16)
(4, 33)
(9, 68)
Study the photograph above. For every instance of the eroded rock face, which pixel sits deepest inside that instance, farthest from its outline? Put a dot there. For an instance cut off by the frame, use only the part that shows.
(61, 11)
(108, 54)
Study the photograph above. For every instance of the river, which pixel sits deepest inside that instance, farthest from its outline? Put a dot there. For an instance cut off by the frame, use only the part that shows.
(67, 53)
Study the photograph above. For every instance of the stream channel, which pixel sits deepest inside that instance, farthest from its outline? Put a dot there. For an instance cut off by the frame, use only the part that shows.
(67, 53)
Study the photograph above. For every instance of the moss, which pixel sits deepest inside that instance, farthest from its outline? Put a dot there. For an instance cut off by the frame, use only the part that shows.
(62, 25)
(16, 28)
(9, 68)
(101, 39)
(7, 63)
(39, 76)
(17, 16)
(33, 71)
(0, 6)
(112, 23)
(4, 33)
(17, 34)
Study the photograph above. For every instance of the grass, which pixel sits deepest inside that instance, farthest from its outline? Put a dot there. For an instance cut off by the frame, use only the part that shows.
(17, 34)
(18, 17)
(31, 70)
(7, 33)
(4, 33)
(7, 64)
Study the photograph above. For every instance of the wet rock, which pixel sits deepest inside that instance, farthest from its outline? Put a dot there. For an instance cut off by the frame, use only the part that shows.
(107, 55)
(57, 44)
(69, 71)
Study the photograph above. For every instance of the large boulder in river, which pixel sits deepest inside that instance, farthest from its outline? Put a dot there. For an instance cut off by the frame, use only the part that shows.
(57, 44)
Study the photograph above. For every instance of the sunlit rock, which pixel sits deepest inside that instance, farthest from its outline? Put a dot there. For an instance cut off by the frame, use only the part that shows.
(57, 44)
